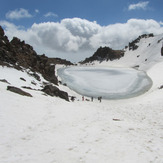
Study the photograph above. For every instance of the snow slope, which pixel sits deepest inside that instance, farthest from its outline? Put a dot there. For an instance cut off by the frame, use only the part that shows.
(147, 54)
(44, 129)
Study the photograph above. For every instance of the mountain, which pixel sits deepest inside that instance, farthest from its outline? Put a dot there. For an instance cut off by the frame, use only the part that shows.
(21, 56)
(37, 128)
(104, 54)
(144, 50)
(18, 53)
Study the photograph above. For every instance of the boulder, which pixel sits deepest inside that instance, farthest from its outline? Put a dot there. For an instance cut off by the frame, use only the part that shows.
(162, 51)
(54, 91)
(1, 31)
(4, 81)
(18, 91)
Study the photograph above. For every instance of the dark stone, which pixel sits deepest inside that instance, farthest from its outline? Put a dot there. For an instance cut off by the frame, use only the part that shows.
(27, 88)
(37, 77)
(1, 31)
(18, 91)
(54, 91)
(161, 87)
(162, 51)
(4, 81)
(19, 54)
(33, 82)
(22, 79)
(115, 119)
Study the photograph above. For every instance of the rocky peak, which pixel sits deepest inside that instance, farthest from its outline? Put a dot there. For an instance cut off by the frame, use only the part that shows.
(19, 54)
(104, 53)
(1, 32)
(133, 45)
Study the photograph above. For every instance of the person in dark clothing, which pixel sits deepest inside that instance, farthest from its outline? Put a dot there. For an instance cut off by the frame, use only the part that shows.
(100, 98)
(72, 98)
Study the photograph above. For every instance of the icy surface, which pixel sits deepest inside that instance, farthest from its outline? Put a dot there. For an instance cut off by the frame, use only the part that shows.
(110, 83)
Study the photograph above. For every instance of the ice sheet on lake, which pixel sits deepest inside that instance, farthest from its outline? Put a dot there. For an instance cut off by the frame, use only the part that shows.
(110, 83)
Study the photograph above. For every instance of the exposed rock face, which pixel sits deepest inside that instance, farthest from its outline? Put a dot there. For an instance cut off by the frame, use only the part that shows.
(132, 45)
(104, 53)
(18, 53)
(4, 81)
(162, 51)
(54, 91)
(18, 91)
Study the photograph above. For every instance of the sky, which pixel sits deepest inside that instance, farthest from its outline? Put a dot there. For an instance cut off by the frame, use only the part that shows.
(75, 29)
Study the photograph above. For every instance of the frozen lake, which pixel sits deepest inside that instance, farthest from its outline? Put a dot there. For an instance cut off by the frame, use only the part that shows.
(110, 83)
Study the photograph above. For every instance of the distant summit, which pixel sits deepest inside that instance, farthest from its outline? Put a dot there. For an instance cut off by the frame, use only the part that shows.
(104, 54)
(108, 54)
(132, 45)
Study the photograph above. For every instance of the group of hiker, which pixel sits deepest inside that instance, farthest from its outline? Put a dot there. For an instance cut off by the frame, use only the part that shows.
(99, 98)
(83, 99)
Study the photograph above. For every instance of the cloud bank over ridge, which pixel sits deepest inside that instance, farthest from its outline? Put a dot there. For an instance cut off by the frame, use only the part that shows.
(75, 38)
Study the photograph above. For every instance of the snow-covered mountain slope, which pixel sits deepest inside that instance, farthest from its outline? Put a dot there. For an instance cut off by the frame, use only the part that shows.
(147, 54)
(23, 78)
(48, 129)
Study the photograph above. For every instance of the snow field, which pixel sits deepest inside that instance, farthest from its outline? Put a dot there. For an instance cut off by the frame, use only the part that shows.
(48, 129)
(44, 129)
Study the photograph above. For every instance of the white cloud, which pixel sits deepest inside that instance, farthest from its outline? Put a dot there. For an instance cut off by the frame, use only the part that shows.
(75, 38)
(118, 35)
(37, 11)
(161, 23)
(51, 14)
(140, 5)
(18, 14)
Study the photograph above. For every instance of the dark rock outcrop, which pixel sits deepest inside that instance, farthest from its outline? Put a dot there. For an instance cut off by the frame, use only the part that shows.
(54, 91)
(162, 51)
(104, 53)
(18, 91)
(4, 81)
(19, 54)
(132, 45)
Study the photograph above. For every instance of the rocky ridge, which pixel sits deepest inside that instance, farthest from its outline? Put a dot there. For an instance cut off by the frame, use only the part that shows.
(106, 53)
(19, 55)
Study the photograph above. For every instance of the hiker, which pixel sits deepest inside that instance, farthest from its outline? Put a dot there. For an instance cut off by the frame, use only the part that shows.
(82, 98)
(72, 98)
(100, 98)
(92, 99)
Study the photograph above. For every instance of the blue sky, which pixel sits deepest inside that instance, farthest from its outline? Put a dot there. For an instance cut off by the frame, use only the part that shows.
(79, 26)
(105, 12)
